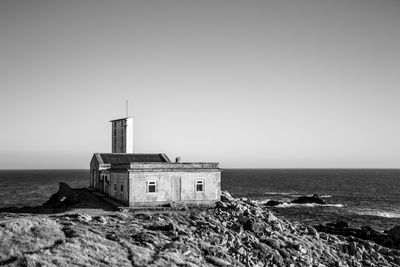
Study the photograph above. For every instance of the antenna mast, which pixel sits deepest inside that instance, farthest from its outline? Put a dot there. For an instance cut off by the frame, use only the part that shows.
(126, 107)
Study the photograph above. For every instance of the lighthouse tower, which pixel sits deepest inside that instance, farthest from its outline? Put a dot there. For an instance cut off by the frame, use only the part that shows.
(122, 135)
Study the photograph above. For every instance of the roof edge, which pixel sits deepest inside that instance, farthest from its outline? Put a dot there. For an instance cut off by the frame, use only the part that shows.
(165, 157)
(122, 119)
(99, 158)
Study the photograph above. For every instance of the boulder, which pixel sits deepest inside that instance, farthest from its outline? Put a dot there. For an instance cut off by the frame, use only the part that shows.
(226, 197)
(273, 203)
(394, 235)
(315, 199)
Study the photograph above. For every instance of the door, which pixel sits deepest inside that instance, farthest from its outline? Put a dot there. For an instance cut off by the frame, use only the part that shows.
(176, 189)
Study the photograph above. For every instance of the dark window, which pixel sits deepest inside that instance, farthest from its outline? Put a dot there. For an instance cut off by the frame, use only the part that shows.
(115, 186)
(122, 187)
(151, 187)
(199, 185)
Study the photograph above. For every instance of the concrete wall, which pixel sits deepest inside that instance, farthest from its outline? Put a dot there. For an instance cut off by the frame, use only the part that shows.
(104, 181)
(118, 179)
(168, 191)
(129, 135)
(118, 136)
(122, 136)
(94, 167)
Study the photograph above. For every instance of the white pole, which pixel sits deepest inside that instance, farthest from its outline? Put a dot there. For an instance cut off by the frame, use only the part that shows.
(126, 106)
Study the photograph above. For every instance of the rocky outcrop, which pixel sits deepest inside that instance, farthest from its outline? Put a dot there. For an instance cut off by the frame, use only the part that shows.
(65, 196)
(238, 232)
(394, 236)
(389, 238)
(65, 199)
(273, 203)
(315, 199)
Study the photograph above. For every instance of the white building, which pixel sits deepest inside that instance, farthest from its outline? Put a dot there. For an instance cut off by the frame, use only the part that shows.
(151, 179)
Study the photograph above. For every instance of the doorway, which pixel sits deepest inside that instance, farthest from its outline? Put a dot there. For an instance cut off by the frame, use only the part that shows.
(176, 189)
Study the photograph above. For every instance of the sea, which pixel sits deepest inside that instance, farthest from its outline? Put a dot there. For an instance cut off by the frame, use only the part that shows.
(359, 196)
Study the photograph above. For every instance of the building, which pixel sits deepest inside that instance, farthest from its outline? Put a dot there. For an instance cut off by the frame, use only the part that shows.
(151, 179)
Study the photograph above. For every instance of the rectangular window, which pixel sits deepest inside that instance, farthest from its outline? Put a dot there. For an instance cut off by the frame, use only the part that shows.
(122, 188)
(101, 177)
(115, 186)
(199, 185)
(151, 187)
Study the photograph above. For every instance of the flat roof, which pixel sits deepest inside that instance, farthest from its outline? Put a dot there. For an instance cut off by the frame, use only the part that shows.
(122, 119)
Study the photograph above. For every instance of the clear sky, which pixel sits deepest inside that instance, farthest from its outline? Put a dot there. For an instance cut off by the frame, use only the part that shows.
(267, 84)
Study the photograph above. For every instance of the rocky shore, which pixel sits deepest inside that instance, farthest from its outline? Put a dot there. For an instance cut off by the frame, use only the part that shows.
(238, 232)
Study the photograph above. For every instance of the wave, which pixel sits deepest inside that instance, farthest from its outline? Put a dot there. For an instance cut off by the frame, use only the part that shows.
(305, 195)
(295, 194)
(311, 205)
(279, 193)
(379, 213)
(289, 204)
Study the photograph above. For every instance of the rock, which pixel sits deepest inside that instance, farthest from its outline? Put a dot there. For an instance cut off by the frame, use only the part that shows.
(270, 217)
(84, 218)
(100, 219)
(237, 233)
(312, 231)
(64, 197)
(242, 219)
(341, 224)
(353, 248)
(315, 199)
(394, 235)
(271, 242)
(217, 261)
(273, 203)
(241, 251)
(112, 236)
(221, 205)
(226, 197)
(176, 258)
(256, 227)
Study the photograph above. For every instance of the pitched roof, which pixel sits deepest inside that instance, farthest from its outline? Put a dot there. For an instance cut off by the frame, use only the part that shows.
(118, 158)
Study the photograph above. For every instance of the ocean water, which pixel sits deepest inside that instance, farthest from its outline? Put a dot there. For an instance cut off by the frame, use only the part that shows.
(359, 196)
(20, 188)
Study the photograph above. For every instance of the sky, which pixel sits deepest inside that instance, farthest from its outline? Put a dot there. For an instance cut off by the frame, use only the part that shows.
(248, 84)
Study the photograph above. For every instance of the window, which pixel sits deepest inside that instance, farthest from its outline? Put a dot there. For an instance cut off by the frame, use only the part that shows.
(199, 185)
(151, 187)
(115, 186)
(101, 177)
(122, 187)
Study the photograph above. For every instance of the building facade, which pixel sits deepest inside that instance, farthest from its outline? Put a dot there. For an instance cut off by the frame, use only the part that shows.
(152, 179)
